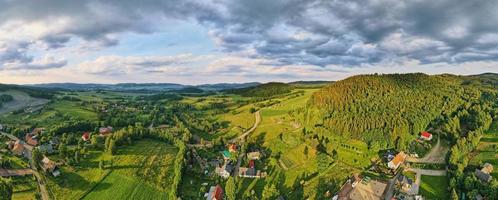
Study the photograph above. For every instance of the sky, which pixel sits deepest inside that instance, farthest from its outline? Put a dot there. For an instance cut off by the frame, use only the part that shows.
(214, 41)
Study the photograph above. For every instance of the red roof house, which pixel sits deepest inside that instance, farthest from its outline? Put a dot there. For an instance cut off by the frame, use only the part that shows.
(426, 135)
(215, 193)
(232, 148)
(31, 139)
(105, 130)
(85, 136)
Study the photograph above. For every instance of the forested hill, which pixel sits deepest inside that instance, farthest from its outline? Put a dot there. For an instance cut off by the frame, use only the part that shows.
(31, 91)
(263, 90)
(388, 110)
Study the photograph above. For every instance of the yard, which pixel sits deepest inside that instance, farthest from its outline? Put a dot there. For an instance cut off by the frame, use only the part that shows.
(434, 187)
(487, 150)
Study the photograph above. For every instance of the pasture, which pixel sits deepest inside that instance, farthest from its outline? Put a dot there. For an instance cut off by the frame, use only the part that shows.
(434, 187)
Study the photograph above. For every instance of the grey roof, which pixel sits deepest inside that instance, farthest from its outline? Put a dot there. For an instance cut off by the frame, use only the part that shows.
(483, 176)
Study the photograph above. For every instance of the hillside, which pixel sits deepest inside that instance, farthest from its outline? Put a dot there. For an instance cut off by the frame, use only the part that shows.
(263, 90)
(387, 110)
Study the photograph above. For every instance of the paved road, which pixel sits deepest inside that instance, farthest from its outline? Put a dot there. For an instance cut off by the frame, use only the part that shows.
(436, 155)
(256, 123)
(15, 172)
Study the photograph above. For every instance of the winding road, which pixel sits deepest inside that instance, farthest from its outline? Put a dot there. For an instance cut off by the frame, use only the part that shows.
(256, 123)
(436, 155)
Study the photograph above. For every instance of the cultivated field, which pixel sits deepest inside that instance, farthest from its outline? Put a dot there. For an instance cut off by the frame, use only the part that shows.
(21, 101)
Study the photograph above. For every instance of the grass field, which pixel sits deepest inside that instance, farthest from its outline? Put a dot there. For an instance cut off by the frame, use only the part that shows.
(24, 195)
(434, 187)
(21, 100)
(73, 109)
(135, 172)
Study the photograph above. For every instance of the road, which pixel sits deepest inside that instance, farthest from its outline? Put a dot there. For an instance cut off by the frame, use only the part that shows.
(15, 172)
(436, 155)
(257, 120)
(245, 134)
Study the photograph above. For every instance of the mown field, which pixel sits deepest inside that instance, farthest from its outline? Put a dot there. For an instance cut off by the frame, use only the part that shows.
(135, 172)
(434, 187)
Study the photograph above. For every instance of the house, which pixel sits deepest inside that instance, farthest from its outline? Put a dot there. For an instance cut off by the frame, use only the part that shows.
(49, 166)
(37, 131)
(225, 171)
(31, 139)
(251, 164)
(46, 148)
(359, 188)
(105, 130)
(253, 155)
(18, 148)
(404, 183)
(487, 168)
(232, 148)
(397, 161)
(426, 136)
(215, 193)
(248, 172)
(483, 176)
(86, 136)
(226, 154)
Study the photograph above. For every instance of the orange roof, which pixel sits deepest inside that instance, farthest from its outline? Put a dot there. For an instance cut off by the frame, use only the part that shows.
(426, 134)
(400, 158)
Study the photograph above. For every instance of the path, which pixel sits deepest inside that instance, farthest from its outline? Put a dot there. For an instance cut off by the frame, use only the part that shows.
(256, 123)
(241, 138)
(436, 155)
(15, 172)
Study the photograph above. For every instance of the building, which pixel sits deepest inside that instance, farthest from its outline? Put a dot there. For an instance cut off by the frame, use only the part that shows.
(225, 171)
(397, 161)
(17, 148)
(86, 136)
(404, 184)
(426, 136)
(31, 139)
(37, 131)
(46, 148)
(358, 188)
(215, 193)
(487, 168)
(483, 176)
(485, 173)
(226, 154)
(49, 166)
(254, 155)
(232, 148)
(105, 130)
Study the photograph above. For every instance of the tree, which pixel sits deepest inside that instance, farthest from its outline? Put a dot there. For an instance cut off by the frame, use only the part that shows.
(62, 150)
(186, 135)
(252, 110)
(112, 147)
(5, 189)
(269, 192)
(454, 195)
(306, 151)
(101, 164)
(230, 189)
(36, 156)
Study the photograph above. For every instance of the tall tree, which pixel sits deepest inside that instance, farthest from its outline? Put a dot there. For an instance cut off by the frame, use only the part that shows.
(230, 189)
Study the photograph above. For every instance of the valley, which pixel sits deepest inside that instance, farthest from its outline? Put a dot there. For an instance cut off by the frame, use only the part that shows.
(406, 135)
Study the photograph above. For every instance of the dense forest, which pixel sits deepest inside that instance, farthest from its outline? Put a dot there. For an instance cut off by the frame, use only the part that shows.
(4, 98)
(264, 90)
(388, 110)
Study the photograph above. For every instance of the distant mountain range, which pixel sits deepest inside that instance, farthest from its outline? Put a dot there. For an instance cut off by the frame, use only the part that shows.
(142, 86)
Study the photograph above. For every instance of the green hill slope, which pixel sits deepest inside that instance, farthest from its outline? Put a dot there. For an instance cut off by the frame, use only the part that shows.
(264, 90)
(388, 110)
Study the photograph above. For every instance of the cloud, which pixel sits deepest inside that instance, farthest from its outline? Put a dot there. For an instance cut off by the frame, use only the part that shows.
(276, 34)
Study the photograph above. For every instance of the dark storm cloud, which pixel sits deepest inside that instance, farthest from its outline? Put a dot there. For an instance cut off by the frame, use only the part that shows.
(316, 32)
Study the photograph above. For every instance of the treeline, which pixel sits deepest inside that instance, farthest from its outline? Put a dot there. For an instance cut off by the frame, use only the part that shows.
(385, 110)
(465, 129)
(264, 90)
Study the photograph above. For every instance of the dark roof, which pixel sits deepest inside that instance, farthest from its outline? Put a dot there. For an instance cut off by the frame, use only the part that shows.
(483, 176)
